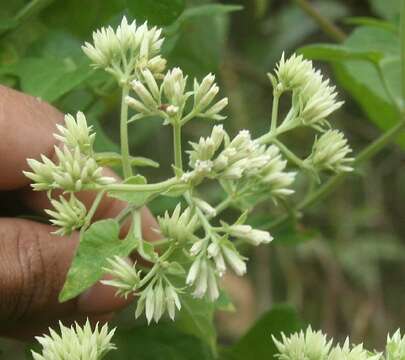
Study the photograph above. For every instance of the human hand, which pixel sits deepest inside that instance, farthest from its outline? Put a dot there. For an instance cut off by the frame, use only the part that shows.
(33, 262)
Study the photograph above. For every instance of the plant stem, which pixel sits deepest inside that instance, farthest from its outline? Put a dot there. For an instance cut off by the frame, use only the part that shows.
(126, 164)
(92, 210)
(402, 38)
(289, 154)
(333, 182)
(274, 111)
(223, 205)
(325, 24)
(178, 163)
(160, 186)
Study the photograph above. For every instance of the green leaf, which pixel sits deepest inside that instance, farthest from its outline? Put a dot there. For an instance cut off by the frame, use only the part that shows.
(257, 342)
(157, 12)
(99, 242)
(197, 318)
(114, 159)
(157, 342)
(372, 22)
(48, 78)
(328, 52)
(387, 9)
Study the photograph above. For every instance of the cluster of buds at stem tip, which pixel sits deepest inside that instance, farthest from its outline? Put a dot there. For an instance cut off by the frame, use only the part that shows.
(125, 276)
(68, 215)
(129, 45)
(313, 345)
(75, 343)
(330, 152)
(241, 159)
(203, 277)
(156, 298)
(313, 97)
(169, 98)
(178, 226)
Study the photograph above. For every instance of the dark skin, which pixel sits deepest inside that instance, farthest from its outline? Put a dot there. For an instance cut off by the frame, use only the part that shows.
(33, 262)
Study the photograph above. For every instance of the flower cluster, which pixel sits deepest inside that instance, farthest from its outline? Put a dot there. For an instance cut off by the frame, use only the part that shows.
(76, 169)
(127, 49)
(197, 247)
(314, 99)
(169, 97)
(253, 166)
(311, 345)
(75, 343)
(330, 152)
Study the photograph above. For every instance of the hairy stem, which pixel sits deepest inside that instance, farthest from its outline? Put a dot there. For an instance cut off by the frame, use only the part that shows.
(160, 186)
(274, 111)
(324, 23)
(126, 164)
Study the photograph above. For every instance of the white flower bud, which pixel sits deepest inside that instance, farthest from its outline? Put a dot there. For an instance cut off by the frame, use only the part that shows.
(197, 247)
(213, 292)
(206, 208)
(144, 95)
(348, 352)
(68, 215)
(201, 282)
(193, 272)
(247, 233)
(137, 105)
(172, 301)
(75, 343)
(395, 348)
(149, 304)
(174, 85)
(200, 90)
(235, 260)
(156, 65)
(212, 113)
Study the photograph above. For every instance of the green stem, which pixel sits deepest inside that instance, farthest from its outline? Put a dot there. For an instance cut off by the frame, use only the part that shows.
(160, 186)
(178, 163)
(92, 210)
(289, 154)
(274, 111)
(324, 23)
(223, 205)
(126, 163)
(402, 38)
(333, 182)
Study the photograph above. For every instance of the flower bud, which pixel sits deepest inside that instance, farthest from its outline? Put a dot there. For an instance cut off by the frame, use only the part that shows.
(247, 233)
(234, 259)
(68, 215)
(206, 208)
(178, 226)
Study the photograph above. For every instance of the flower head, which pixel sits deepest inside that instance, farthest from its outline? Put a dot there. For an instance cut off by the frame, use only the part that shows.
(203, 277)
(76, 133)
(292, 73)
(128, 44)
(395, 348)
(308, 345)
(68, 215)
(75, 343)
(125, 277)
(247, 233)
(351, 353)
(180, 225)
(330, 152)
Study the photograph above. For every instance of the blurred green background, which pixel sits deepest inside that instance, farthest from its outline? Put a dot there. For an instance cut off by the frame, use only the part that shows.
(342, 265)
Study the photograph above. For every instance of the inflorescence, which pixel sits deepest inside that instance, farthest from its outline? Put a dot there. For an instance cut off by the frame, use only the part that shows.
(197, 247)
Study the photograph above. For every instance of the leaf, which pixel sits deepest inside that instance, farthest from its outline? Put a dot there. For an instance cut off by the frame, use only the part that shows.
(99, 242)
(372, 22)
(48, 78)
(197, 318)
(257, 342)
(387, 9)
(329, 52)
(114, 159)
(157, 342)
(157, 12)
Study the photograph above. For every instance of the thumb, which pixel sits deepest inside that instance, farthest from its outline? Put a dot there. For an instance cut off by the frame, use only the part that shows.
(33, 268)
